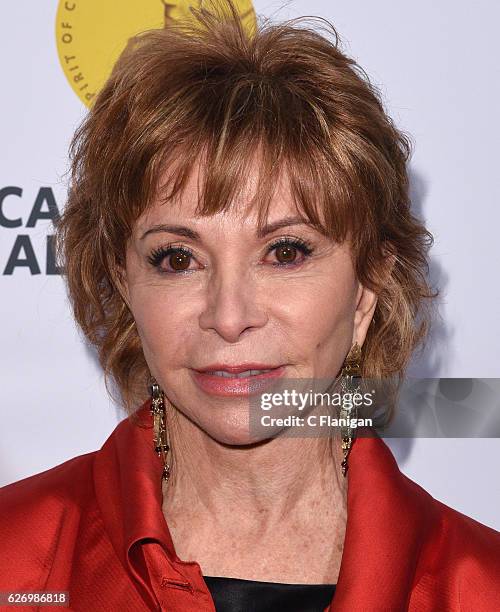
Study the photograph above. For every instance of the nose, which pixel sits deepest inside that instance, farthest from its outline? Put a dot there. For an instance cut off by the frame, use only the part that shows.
(233, 304)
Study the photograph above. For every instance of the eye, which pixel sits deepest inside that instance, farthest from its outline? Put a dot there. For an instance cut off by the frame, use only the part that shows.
(287, 251)
(177, 259)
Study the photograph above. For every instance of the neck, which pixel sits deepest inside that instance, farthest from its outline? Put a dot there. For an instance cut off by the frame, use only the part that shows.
(283, 480)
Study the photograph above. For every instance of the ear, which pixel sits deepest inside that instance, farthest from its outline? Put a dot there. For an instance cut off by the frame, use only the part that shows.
(366, 301)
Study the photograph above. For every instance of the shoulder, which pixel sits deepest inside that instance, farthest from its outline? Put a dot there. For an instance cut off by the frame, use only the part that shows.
(57, 487)
(477, 545)
(37, 512)
(461, 560)
(469, 534)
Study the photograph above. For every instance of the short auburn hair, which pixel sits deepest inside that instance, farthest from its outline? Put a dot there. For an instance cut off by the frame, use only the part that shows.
(210, 88)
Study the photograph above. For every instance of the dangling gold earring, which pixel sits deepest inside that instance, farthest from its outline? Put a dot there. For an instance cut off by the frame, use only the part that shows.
(350, 371)
(160, 442)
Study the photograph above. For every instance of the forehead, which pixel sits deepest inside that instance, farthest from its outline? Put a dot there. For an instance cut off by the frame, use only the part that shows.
(243, 209)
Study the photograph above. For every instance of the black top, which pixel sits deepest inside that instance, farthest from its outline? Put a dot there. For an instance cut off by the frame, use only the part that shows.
(238, 595)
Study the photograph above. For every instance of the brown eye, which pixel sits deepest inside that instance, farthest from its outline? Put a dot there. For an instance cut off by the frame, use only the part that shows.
(286, 253)
(171, 259)
(286, 250)
(179, 261)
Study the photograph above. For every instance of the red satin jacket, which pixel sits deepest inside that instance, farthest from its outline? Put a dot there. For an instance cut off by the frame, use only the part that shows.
(93, 526)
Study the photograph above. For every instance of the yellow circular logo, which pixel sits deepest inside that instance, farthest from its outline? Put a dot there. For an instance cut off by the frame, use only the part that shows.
(91, 34)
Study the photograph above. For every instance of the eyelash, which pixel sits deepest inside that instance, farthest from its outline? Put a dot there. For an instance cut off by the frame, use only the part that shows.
(158, 255)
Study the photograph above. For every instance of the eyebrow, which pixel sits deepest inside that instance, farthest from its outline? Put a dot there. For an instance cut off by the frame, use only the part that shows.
(186, 232)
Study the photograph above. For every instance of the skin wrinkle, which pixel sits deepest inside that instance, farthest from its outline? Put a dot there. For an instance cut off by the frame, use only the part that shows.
(230, 497)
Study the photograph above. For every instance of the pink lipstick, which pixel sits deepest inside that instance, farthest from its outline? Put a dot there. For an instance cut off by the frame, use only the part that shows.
(236, 380)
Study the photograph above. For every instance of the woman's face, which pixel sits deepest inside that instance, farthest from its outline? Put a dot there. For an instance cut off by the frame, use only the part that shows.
(288, 299)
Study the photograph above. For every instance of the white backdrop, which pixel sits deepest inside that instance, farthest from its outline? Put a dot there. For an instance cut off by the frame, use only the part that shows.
(437, 66)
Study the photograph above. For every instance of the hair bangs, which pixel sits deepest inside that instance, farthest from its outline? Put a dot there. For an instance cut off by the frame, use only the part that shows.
(247, 136)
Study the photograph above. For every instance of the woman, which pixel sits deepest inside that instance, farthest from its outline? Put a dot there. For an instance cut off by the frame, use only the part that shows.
(238, 217)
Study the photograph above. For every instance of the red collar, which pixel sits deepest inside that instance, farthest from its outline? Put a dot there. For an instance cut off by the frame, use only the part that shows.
(388, 519)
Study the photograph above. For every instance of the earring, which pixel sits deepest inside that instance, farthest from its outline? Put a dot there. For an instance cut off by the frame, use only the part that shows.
(160, 443)
(350, 371)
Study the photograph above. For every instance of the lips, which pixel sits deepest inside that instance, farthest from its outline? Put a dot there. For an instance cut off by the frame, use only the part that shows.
(245, 374)
(237, 368)
(241, 380)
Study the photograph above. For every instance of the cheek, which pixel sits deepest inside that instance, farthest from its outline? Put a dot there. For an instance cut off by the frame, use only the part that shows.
(319, 318)
(320, 313)
(162, 323)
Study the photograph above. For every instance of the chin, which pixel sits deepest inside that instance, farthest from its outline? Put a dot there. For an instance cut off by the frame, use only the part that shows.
(235, 432)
